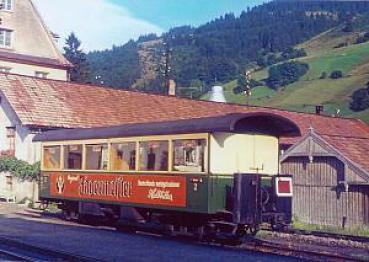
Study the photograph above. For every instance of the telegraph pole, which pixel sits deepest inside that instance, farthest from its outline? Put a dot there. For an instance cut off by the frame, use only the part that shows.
(247, 90)
(168, 69)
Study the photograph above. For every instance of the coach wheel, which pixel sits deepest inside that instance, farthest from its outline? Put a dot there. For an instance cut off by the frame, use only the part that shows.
(200, 233)
(125, 228)
(43, 205)
(70, 215)
(67, 215)
(253, 229)
(241, 231)
(277, 226)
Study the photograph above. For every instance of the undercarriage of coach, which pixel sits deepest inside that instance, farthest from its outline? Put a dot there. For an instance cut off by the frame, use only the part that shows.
(252, 200)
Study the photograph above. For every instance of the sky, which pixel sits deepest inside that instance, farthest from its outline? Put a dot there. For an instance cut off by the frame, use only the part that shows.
(100, 24)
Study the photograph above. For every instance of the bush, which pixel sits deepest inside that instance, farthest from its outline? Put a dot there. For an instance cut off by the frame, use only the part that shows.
(360, 100)
(336, 74)
(292, 53)
(20, 168)
(348, 28)
(238, 90)
(362, 39)
(255, 83)
(340, 45)
(190, 93)
(287, 73)
(323, 75)
(265, 60)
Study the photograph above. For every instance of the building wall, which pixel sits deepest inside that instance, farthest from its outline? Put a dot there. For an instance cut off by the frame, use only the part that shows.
(25, 150)
(30, 70)
(17, 190)
(30, 37)
(319, 196)
(5, 115)
(243, 153)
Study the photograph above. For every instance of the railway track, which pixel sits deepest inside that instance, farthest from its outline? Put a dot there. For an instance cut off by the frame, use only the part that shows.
(327, 234)
(320, 237)
(270, 247)
(11, 250)
(285, 249)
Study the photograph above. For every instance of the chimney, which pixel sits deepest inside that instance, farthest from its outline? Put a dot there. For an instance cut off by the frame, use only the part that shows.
(171, 87)
(217, 94)
(319, 110)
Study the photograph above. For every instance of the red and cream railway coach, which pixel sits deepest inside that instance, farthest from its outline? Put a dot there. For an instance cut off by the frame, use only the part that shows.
(171, 171)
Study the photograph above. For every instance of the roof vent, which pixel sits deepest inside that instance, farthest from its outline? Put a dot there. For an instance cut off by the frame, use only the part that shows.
(217, 94)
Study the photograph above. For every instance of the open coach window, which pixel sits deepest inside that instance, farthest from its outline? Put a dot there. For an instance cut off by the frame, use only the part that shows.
(188, 155)
(73, 157)
(154, 156)
(97, 157)
(51, 159)
(123, 156)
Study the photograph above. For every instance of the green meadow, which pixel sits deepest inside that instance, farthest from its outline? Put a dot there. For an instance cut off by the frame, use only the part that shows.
(310, 90)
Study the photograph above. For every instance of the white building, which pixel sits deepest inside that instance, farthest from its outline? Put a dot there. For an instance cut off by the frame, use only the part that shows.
(27, 47)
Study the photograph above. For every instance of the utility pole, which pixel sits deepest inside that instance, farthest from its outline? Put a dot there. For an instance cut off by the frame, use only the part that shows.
(247, 90)
(168, 69)
(169, 84)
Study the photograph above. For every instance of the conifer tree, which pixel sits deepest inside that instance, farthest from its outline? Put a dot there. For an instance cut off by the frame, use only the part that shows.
(73, 52)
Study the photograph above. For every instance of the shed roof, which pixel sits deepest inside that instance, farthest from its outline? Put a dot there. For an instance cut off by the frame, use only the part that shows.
(351, 150)
(354, 149)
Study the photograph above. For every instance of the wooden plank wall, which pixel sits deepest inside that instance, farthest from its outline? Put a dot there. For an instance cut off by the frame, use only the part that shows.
(317, 197)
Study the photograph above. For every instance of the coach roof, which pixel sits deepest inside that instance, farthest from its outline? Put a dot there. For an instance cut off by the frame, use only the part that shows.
(256, 122)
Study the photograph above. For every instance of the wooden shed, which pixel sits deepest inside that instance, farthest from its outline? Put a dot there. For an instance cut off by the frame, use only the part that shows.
(330, 179)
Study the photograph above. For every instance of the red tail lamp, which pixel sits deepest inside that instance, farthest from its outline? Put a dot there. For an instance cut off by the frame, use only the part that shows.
(283, 186)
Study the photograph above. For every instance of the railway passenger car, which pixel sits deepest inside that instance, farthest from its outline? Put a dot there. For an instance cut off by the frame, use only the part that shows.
(177, 175)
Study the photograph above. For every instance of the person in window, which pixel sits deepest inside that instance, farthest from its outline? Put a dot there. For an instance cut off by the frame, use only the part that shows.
(50, 161)
(164, 161)
(151, 159)
(132, 160)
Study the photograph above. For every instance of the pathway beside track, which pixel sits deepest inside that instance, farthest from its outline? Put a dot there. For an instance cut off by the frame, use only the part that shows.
(104, 243)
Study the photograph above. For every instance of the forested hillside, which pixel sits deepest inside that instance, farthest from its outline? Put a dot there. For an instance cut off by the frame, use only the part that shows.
(221, 49)
(337, 77)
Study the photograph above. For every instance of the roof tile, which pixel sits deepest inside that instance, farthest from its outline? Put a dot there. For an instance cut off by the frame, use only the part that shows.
(51, 103)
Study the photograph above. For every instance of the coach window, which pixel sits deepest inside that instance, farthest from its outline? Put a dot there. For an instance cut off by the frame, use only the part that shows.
(73, 157)
(188, 155)
(51, 157)
(97, 157)
(153, 156)
(123, 156)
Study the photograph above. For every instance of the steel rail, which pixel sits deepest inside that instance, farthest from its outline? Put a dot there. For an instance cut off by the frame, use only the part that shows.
(30, 252)
(324, 234)
(269, 247)
(17, 256)
(290, 250)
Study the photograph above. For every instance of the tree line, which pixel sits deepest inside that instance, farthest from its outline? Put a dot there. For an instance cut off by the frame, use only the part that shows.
(220, 50)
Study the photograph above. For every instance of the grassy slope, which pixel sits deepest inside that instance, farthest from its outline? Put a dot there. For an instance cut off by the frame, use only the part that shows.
(303, 95)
